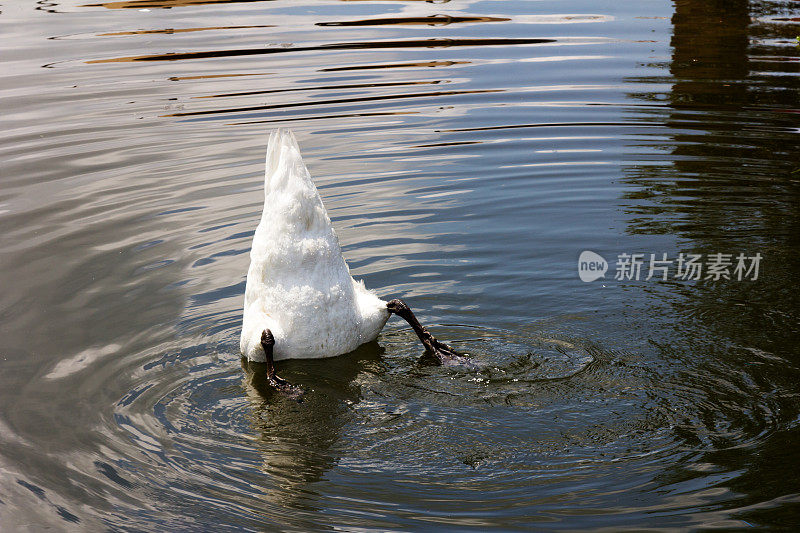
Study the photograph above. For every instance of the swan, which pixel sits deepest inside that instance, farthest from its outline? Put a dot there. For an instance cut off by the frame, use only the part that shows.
(300, 300)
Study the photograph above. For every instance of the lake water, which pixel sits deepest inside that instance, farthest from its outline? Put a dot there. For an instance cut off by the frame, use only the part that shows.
(467, 152)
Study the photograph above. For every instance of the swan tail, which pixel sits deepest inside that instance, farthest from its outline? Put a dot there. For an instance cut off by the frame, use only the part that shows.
(284, 165)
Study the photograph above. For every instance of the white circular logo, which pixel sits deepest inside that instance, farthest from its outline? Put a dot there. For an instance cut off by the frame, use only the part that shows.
(591, 266)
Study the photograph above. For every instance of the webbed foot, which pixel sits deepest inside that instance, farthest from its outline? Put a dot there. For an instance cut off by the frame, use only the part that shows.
(436, 351)
(445, 355)
(274, 380)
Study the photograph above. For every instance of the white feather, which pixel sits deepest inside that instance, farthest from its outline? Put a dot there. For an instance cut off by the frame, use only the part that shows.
(298, 284)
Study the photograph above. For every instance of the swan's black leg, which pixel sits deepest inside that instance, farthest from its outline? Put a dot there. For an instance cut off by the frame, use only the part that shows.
(444, 354)
(277, 382)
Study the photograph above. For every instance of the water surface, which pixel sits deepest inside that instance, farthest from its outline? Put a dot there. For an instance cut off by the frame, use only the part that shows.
(468, 152)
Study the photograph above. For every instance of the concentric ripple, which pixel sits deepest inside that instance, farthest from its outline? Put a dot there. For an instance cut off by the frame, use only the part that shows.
(467, 152)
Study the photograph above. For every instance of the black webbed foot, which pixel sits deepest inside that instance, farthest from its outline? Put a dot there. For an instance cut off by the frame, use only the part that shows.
(435, 351)
(445, 355)
(274, 380)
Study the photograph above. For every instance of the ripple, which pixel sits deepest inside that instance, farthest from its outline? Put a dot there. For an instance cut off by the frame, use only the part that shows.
(427, 43)
(466, 151)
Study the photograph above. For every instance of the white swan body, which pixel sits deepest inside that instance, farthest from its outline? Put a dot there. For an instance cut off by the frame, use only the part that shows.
(298, 285)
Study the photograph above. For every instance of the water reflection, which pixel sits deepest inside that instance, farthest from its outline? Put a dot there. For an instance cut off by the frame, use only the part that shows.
(727, 185)
(433, 20)
(172, 31)
(356, 100)
(397, 65)
(165, 4)
(300, 443)
(467, 151)
(367, 45)
(326, 88)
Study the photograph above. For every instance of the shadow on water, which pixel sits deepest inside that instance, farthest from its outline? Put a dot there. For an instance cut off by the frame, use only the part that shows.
(730, 183)
(300, 442)
(332, 377)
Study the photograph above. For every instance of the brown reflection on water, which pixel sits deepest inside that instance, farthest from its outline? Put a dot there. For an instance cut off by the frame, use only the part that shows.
(212, 76)
(730, 185)
(165, 4)
(421, 43)
(170, 31)
(328, 117)
(397, 65)
(330, 102)
(427, 1)
(433, 20)
(326, 88)
(555, 124)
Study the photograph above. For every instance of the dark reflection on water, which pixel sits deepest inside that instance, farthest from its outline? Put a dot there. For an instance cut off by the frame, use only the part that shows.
(426, 43)
(467, 153)
(729, 184)
(166, 4)
(171, 31)
(431, 21)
